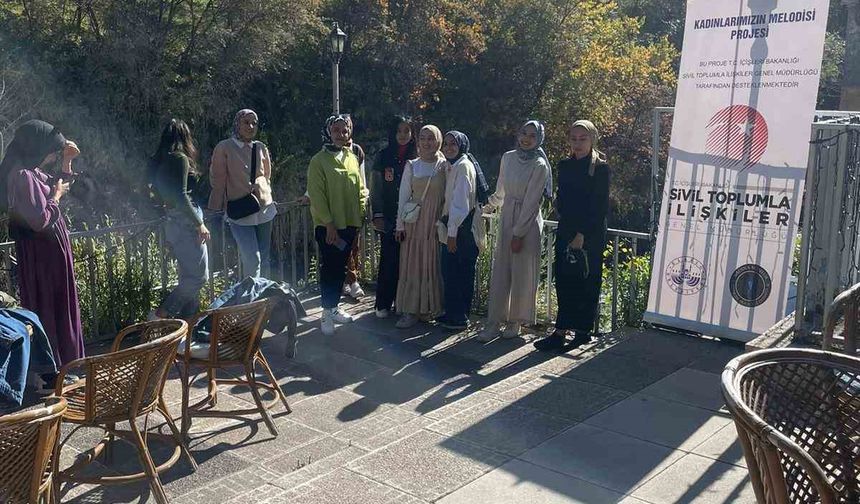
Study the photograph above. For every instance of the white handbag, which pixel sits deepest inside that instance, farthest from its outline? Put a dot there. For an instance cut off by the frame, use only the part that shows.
(412, 209)
(479, 228)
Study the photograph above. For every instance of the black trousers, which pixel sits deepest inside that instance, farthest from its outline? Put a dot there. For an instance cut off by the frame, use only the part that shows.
(578, 298)
(458, 270)
(389, 270)
(333, 265)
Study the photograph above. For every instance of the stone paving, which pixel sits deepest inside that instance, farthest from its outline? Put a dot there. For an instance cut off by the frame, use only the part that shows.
(386, 416)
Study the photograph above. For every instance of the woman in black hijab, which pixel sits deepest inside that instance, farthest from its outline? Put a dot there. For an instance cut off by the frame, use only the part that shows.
(46, 275)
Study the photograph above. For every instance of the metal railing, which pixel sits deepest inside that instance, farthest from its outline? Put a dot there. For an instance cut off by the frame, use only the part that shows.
(619, 295)
(124, 271)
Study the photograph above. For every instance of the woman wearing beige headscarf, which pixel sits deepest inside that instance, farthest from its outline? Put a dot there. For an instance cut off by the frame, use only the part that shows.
(419, 288)
(583, 205)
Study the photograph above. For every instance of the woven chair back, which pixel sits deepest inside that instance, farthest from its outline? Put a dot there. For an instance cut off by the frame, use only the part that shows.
(237, 330)
(800, 412)
(126, 383)
(27, 442)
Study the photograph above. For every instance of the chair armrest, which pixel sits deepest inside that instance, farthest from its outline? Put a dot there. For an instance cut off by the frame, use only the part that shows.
(192, 324)
(61, 375)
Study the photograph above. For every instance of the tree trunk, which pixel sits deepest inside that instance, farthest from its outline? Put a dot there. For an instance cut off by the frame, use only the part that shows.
(851, 77)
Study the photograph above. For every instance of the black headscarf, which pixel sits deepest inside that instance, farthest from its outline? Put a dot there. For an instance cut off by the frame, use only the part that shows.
(389, 157)
(482, 191)
(32, 142)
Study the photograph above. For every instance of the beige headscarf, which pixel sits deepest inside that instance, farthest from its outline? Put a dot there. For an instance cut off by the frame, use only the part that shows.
(596, 155)
(437, 133)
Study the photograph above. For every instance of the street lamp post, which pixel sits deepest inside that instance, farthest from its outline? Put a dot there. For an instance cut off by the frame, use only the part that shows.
(337, 39)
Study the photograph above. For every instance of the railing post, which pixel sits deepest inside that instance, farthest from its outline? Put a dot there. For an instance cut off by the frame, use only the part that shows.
(292, 223)
(147, 276)
(225, 271)
(109, 268)
(633, 285)
(615, 282)
(283, 223)
(307, 247)
(93, 287)
(163, 259)
(210, 272)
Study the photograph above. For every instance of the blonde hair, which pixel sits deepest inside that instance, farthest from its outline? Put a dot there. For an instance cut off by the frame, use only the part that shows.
(596, 155)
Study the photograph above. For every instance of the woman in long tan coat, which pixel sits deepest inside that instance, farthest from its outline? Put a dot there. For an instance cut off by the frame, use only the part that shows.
(523, 181)
(419, 288)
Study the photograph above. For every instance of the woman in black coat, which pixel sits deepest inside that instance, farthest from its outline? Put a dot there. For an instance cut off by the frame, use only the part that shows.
(384, 191)
(583, 204)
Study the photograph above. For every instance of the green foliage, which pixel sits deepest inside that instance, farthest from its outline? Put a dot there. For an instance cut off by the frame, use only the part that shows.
(111, 72)
(629, 279)
(118, 280)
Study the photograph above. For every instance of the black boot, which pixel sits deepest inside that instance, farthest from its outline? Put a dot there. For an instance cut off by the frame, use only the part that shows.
(552, 343)
(579, 339)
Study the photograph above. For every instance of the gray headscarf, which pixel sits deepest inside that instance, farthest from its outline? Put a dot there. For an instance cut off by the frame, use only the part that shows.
(238, 118)
(537, 152)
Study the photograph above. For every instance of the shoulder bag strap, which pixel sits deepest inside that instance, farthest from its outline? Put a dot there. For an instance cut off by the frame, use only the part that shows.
(253, 162)
(429, 180)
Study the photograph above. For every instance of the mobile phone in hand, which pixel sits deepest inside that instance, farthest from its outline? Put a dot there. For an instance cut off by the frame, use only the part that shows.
(67, 177)
(340, 243)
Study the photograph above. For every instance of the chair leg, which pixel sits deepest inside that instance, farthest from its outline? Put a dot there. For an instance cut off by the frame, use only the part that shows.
(49, 497)
(162, 408)
(109, 446)
(184, 377)
(274, 381)
(255, 392)
(213, 387)
(148, 465)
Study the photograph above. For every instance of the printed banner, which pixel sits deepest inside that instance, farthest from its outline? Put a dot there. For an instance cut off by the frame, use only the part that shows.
(747, 88)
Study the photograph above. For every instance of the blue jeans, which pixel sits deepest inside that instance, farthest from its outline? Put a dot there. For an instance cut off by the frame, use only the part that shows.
(458, 271)
(20, 354)
(255, 247)
(193, 261)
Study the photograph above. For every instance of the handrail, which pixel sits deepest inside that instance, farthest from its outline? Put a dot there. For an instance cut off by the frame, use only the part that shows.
(113, 268)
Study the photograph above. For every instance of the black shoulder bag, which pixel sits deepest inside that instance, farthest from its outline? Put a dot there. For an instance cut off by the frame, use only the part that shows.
(248, 204)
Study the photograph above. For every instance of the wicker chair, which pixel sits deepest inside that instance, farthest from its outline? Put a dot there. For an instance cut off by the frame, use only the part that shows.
(123, 386)
(28, 448)
(845, 307)
(797, 413)
(234, 341)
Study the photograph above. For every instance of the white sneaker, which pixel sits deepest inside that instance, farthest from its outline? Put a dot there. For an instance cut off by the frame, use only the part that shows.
(512, 330)
(489, 333)
(355, 291)
(341, 317)
(345, 289)
(406, 321)
(327, 324)
(382, 313)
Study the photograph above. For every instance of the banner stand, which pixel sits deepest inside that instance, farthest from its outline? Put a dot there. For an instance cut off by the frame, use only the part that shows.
(747, 89)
